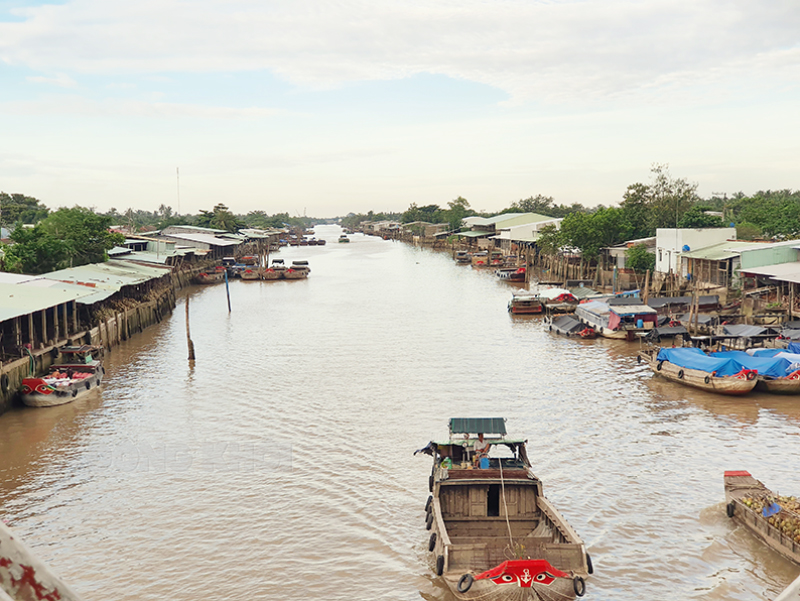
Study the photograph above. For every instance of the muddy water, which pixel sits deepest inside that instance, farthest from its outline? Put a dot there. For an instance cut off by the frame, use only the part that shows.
(281, 467)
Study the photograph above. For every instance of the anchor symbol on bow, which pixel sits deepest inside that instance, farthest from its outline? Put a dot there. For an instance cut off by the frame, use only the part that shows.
(526, 576)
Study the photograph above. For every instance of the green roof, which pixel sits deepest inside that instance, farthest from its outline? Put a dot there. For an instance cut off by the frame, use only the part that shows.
(474, 234)
(477, 425)
(718, 252)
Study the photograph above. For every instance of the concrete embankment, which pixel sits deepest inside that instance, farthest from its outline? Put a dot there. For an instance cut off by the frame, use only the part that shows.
(112, 327)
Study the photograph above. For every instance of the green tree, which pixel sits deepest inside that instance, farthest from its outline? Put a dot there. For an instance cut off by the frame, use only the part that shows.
(84, 232)
(748, 231)
(549, 240)
(696, 218)
(457, 210)
(659, 204)
(20, 208)
(589, 232)
(638, 258)
(35, 251)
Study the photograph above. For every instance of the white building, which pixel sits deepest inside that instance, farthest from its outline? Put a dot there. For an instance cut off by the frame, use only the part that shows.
(671, 242)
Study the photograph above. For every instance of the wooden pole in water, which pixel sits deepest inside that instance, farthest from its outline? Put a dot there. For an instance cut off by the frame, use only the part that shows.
(227, 291)
(646, 291)
(188, 335)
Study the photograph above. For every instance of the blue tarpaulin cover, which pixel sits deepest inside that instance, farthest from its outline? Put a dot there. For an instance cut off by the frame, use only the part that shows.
(794, 347)
(694, 358)
(774, 367)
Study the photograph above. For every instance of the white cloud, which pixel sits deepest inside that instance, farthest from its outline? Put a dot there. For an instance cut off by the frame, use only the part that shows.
(61, 80)
(534, 50)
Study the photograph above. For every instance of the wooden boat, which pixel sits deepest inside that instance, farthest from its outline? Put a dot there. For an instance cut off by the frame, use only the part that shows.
(511, 274)
(250, 274)
(480, 258)
(24, 577)
(214, 276)
(558, 300)
(298, 271)
(777, 372)
(493, 534)
(463, 257)
(773, 518)
(344, 239)
(692, 367)
(274, 271)
(618, 318)
(75, 376)
(524, 302)
(496, 258)
(569, 325)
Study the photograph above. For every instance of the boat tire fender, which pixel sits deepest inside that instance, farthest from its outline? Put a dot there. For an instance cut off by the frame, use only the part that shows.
(430, 483)
(730, 509)
(589, 566)
(4, 382)
(439, 565)
(680, 374)
(429, 503)
(658, 367)
(579, 586)
(88, 385)
(429, 521)
(432, 542)
(638, 358)
(707, 379)
(54, 352)
(74, 393)
(464, 583)
(751, 375)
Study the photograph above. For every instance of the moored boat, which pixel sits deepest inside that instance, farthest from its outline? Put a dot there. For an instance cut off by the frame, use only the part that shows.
(494, 535)
(274, 271)
(298, 271)
(463, 257)
(75, 376)
(569, 325)
(211, 276)
(777, 374)
(249, 273)
(773, 518)
(618, 318)
(558, 300)
(24, 577)
(524, 302)
(692, 367)
(512, 274)
(344, 239)
(480, 258)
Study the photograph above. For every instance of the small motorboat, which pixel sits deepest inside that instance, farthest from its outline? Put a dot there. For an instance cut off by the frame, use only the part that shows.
(75, 376)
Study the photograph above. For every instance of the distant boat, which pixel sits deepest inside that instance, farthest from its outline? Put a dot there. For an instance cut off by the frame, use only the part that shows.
(524, 302)
(463, 257)
(79, 372)
(558, 300)
(214, 276)
(511, 274)
(298, 271)
(344, 239)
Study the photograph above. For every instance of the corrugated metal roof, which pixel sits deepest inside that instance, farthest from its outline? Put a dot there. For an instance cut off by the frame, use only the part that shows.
(111, 275)
(14, 278)
(717, 252)
(17, 300)
(204, 239)
(473, 234)
(781, 269)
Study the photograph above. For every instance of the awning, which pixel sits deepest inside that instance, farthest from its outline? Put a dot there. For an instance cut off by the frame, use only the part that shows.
(477, 425)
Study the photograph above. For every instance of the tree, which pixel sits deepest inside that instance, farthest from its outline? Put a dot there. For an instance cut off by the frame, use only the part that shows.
(20, 208)
(458, 209)
(638, 258)
(35, 251)
(84, 232)
(549, 241)
(590, 232)
(696, 218)
(748, 231)
(659, 204)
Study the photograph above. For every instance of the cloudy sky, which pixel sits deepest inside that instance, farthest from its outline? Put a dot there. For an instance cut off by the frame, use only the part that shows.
(326, 107)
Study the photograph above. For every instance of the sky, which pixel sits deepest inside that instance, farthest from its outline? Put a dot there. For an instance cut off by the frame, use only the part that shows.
(329, 107)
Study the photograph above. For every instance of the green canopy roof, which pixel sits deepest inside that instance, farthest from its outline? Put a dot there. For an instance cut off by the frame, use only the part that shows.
(477, 425)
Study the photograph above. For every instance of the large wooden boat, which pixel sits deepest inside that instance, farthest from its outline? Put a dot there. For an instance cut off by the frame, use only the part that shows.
(524, 302)
(569, 325)
(75, 376)
(298, 271)
(773, 518)
(249, 273)
(463, 257)
(777, 374)
(493, 534)
(275, 271)
(692, 367)
(622, 321)
(511, 274)
(558, 300)
(24, 577)
(211, 276)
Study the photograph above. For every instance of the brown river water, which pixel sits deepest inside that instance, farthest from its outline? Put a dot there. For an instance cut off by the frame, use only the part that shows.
(280, 466)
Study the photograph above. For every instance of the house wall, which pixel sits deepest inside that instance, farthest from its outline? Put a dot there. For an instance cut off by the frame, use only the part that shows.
(670, 242)
(773, 255)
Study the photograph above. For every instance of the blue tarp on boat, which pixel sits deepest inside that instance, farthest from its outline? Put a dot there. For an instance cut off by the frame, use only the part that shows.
(773, 367)
(794, 347)
(694, 358)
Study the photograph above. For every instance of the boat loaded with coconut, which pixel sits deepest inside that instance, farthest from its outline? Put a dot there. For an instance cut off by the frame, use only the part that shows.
(524, 302)
(493, 534)
(274, 271)
(298, 271)
(78, 372)
(211, 276)
(773, 518)
(692, 367)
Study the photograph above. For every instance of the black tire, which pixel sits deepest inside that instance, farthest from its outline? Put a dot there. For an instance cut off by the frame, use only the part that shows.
(54, 352)
(751, 375)
(680, 374)
(432, 542)
(74, 393)
(638, 358)
(429, 521)
(658, 367)
(430, 483)
(88, 385)
(589, 566)
(464, 583)
(730, 509)
(439, 565)
(579, 586)
(707, 380)
(4, 382)
(429, 503)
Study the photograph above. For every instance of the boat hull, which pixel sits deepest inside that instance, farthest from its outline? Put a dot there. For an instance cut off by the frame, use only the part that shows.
(33, 394)
(779, 386)
(730, 385)
(209, 278)
(739, 485)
